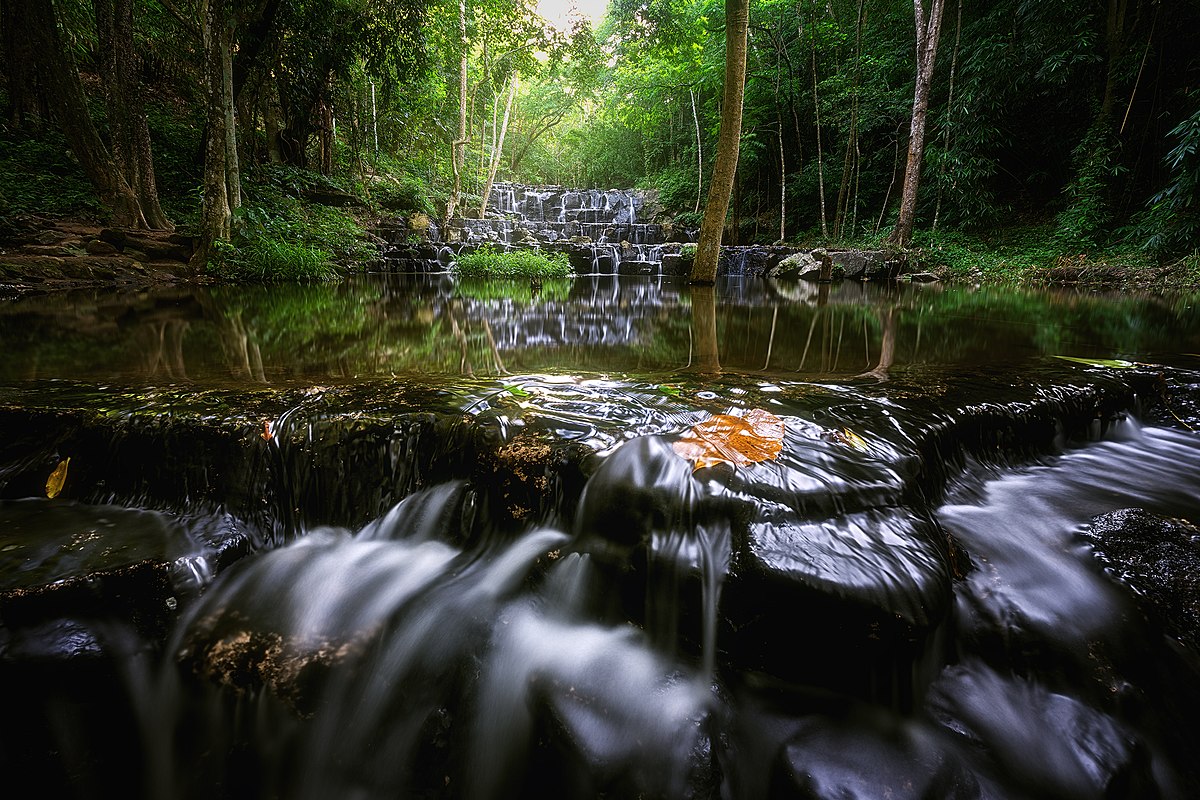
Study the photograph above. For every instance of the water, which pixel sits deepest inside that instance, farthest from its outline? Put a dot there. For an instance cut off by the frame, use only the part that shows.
(383, 325)
(481, 571)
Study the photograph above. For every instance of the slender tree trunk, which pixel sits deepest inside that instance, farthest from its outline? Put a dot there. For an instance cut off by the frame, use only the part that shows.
(699, 153)
(273, 121)
(498, 148)
(458, 148)
(233, 172)
(216, 211)
(782, 177)
(817, 120)
(708, 251)
(927, 31)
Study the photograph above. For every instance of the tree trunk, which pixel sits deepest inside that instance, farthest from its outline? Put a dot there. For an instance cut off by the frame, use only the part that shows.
(699, 153)
(60, 79)
(704, 331)
(233, 173)
(19, 65)
(128, 130)
(927, 32)
(817, 121)
(216, 212)
(708, 251)
(458, 148)
(498, 147)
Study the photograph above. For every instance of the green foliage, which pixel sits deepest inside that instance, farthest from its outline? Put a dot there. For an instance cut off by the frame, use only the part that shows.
(266, 260)
(486, 261)
(1086, 221)
(38, 176)
(1170, 224)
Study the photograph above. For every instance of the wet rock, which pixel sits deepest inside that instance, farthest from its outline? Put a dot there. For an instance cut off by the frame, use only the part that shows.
(1038, 742)
(1158, 558)
(869, 755)
(100, 248)
(798, 266)
(923, 277)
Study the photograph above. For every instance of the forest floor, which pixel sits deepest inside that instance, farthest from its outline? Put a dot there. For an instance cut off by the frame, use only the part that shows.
(46, 254)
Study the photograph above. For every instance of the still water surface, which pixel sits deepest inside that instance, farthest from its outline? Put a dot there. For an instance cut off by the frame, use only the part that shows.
(376, 326)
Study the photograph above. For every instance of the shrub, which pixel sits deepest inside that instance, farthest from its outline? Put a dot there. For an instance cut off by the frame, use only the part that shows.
(513, 264)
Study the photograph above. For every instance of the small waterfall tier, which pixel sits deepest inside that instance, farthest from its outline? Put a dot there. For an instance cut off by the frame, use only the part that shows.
(602, 232)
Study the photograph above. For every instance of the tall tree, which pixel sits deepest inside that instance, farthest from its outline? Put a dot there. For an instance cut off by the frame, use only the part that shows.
(712, 226)
(124, 177)
(458, 148)
(928, 29)
(129, 131)
(222, 191)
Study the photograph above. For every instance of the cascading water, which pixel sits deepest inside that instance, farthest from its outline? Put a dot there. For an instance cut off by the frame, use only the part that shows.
(501, 580)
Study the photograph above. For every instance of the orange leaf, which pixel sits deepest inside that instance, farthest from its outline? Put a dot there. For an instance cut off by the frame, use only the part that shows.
(54, 484)
(736, 440)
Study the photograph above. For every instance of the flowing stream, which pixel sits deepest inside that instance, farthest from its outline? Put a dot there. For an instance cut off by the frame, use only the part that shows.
(410, 536)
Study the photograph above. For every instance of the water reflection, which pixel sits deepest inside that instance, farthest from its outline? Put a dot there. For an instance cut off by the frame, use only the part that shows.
(383, 325)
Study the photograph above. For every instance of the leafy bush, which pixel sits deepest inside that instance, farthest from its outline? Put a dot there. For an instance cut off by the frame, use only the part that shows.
(513, 264)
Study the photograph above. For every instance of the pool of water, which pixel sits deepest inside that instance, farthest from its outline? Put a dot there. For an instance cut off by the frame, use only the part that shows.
(383, 325)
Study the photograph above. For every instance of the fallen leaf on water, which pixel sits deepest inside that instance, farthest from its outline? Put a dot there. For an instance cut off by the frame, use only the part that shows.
(54, 484)
(737, 440)
(1111, 363)
(266, 432)
(854, 440)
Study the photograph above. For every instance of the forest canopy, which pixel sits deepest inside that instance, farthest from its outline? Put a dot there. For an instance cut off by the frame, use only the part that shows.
(1077, 121)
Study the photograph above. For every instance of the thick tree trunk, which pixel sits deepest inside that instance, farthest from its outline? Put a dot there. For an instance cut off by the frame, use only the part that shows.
(458, 148)
(58, 75)
(712, 228)
(19, 65)
(216, 213)
(927, 30)
(128, 130)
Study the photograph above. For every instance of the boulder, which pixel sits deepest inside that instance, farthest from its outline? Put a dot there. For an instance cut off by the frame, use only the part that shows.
(1158, 559)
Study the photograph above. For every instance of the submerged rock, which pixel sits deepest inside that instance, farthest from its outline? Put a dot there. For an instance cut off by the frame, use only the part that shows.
(1158, 558)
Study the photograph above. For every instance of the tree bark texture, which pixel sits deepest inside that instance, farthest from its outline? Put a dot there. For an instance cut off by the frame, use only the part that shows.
(216, 212)
(59, 77)
(928, 28)
(129, 132)
(712, 227)
(458, 148)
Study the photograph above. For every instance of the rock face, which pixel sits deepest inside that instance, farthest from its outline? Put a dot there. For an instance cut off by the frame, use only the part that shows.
(1158, 559)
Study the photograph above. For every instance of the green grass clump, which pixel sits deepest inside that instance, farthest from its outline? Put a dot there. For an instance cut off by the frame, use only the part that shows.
(513, 264)
(266, 260)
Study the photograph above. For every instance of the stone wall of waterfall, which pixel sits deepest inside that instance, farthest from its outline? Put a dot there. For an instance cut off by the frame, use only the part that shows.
(602, 232)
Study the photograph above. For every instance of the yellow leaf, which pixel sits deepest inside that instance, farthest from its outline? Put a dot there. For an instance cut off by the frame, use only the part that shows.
(736, 440)
(854, 440)
(54, 484)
